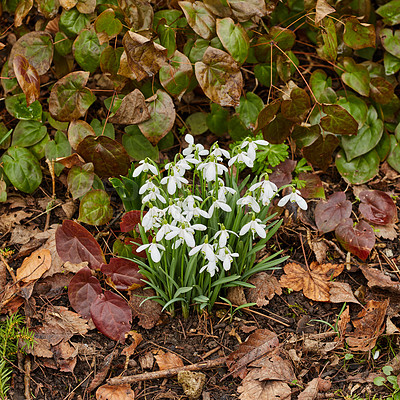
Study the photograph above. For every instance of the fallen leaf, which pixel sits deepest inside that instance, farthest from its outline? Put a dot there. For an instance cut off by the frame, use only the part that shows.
(137, 339)
(259, 343)
(315, 282)
(34, 266)
(192, 383)
(23, 234)
(253, 389)
(343, 323)
(133, 110)
(168, 360)
(322, 9)
(313, 388)
(266, 286)
(273, 368)
(102, 372)
(369, 325)
(341, 292)
(386, 231)
(115, 392)
(148, 312)
(8, 220)
(28, 78)
(378, 279)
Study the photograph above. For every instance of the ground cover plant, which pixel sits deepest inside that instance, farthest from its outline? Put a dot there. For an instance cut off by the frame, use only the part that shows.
(190, 147)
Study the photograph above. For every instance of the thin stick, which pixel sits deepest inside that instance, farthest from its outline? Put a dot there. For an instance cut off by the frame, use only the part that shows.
(50, 163)
(166, 373)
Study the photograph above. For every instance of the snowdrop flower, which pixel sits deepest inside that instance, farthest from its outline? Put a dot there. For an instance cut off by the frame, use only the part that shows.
(223, 236)
(154, 193)
(255, 226)
(218, 204)
(165, 228)
(211, 169)
(175, 212)
(206, 249)
(268, 191)
(223, 190)
(192, 148)
(185, 234)
(250, 201)
(152, 218)
(211, 268)
(178, 168)
(226, 257)
(293, 197)
(190, 201)
(153, 250)
(241, 158)
(173, 182)
(144, 167)
(218, 152)
(195, 212)
(251, 151)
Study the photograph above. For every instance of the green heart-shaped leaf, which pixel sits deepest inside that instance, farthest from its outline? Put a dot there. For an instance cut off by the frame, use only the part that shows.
(59, 147)
(356, 76)
(72, 22)
(338, 121)
(199, 18)
(358, 35)
(137, 146)
(297, 107)
(95, 208)
(390, 41)
(17, 107)
(80, 180)
(390, 12)
(394, 155)
(321, 86)
(249, 108)
(27, 133)
(328, 46)
(217, 119)
(107, 26)
(356, 107)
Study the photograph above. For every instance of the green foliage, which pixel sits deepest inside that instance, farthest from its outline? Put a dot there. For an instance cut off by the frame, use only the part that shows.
(14, 337)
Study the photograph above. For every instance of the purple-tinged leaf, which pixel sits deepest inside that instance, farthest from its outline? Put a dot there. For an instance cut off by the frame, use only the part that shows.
(130, 220)
(76, 244)
(359, 240)
(338, 121)
(377, 207)
(82, 291)
(112, 315)
(313, 188)
(282, 174)
(123, 273)
(320, 151)
(329, 214)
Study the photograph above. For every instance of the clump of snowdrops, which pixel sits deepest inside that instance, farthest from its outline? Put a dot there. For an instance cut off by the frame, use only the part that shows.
(201, 227)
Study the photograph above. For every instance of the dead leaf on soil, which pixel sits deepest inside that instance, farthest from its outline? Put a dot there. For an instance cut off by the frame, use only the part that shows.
(319, 248)
(386, 231)
(344, 320)
(146, 360)
(34, 266)
(273, 368)
(317, 346)
(313, 388)
(322, 9)
(115, 392)
(133, 110)
(65, 356)
(253, 389)
(236, 295)
(102, 372)
(369, 325)
(341, 292)
(192, 383)
(259, 343)
(168, 360)
(377, 279)
(42, 348)
(137, 339)
(315, 282)
(148, 312)
(8, 220)
(266, 286)
(23, 234)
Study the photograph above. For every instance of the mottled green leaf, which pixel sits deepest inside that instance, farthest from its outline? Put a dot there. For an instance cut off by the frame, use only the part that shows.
(358, 35)
(107, 26)
(266, 74)
(381, 90)
(102, 128)
(59, 147)
(359, 170)
(249, 108)
(72, 22)
(80, 179)
(320, 152)
(138, 14)
(328, 46)
(391, 63)
(390, 41)
(166, 37)
(305, 135)
(199, 18)
(62, 44)
(17, 107)
(297, 107)
(22, 169)
(49, 8)
(394, 155)
(356, 107)
(321, 86)
(338, 121)
(390, 12)
(27, 133)
(77, 131)
(137, 146)
(95, 208)
(197, 123)
(10, 83)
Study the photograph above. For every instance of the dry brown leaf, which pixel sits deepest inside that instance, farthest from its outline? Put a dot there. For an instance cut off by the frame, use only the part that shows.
(146, 360)
(102, 371)
(312, 389)
(266, 286)
(386, 231)
(133, 110)
(115, 392)
(341, 292)
(68, 4)
(253, 389)
(168, 360)
(236, 295)
(342, 324)
(369, 325)
(42, 348)
(34, 266)
(322, 9)
(377, 279)
(192, 383)
(273, 368)
(315, 282)
(144, 57)
(148, 312)
(7, 221)
(319, 248)
(259, 343)
(137, 339)
(23, 234)
(2, 45)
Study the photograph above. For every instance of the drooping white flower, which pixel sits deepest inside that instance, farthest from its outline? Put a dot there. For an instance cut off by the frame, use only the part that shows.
(241, 158)
(218, 204)
(206, 249)
(153, 249)
(211, 268)
(154, 193)
(193, 147)
(293, 197)
(190, 201)
(152, 218)
(255, 226)
(226, 257)
(223, 236)
(173, 182)
(267, 192)
(165, 228)
(223, 190)
(249, 200)
(144, 167)
(211, 169)
(218, 152)
(195, 212)
(252, 146)
(185, 233)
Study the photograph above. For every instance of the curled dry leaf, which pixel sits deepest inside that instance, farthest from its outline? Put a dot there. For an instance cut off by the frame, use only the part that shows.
(115, 392)
(369, 325)
(266, 286)
(253, 389)
(28, 79)
(313, 388)
(143, 57)
(133, 110)
(136, 340)
(148, 311)
(168, 360)
(322, 9)
(259, 343)
(34, 266)
(220, 78)
(378, 280)
(273, 368)
(314, 282)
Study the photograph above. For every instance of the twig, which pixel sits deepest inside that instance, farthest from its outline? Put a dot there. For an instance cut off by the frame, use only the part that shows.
(167, 373)
(27, 378)
(50, 163)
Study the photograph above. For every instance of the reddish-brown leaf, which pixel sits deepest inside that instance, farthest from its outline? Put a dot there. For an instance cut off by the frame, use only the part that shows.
(28, 78)
(130, 220)
(377, 207)
(76, 244)
(168, 360)
(115, 392)
(123, 273)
